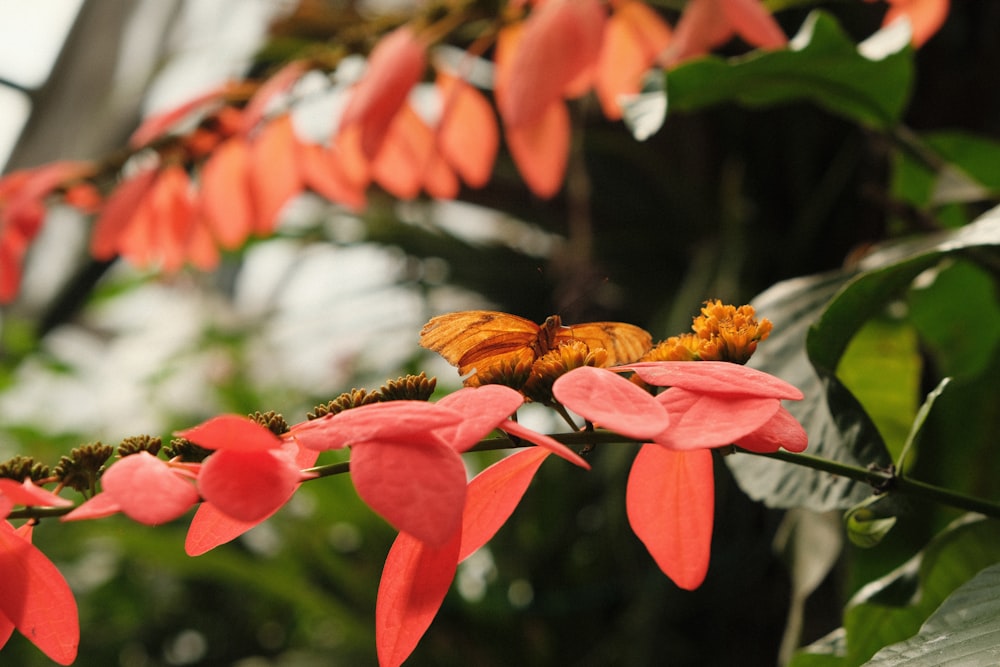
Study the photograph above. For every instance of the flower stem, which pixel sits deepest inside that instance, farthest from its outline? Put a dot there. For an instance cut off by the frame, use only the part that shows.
(890, 482)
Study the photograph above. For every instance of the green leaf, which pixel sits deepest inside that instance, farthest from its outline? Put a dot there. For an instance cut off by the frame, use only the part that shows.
(881, 367)
(892, 608)
(955, 308)
(822, 313)
(838, 428)
(965, 629)
(822, 66)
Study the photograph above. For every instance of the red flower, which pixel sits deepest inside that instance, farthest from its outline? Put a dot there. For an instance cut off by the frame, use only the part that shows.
(405, 455)
(144, 488)
(670, 494)
(34, 597)
(706, 24)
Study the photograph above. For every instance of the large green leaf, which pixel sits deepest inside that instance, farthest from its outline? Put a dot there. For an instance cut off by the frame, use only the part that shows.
(821, 314)
(892, 608)
(822, 66)
(965, 630)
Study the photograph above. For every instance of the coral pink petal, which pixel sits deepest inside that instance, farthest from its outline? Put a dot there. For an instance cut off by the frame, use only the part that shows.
(159, 124)
(248, 486)
(754, 23)
(100, 506)
(926, 17)
(278, 83)
(392, 421)
(404, 156)
(117, 214)
(612, 402)
(6, 630)
(232, 432)
(27, 493)
(147, 490)
(670, 501)
(274, 172)
(493, 495)
(210, 527)
(781, 431)
(635, 35)
(395, 65)
(541, 149)
(415, 579)
(560, 42)
(545, 442)
(35, 597)
(417, 486)
(711, 420)
(225, 199)
(700, 29)
(322, 173)
(713, 377)
(483, 408)
(468, 136)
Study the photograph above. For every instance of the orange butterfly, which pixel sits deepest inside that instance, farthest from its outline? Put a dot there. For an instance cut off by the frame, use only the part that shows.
(480, 338)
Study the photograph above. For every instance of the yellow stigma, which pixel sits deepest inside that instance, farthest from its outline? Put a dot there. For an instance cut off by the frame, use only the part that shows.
(732, 333)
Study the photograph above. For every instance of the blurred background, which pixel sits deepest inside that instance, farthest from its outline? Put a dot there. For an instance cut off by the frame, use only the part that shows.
(718, 204)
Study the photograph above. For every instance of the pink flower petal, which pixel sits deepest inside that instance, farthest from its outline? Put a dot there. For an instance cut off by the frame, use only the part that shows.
(541, 149)
(483, 409)
(35, 597)
(415, 579)
(27, 493)
(393, 420)
(670, 501)
(248, 486)
(98, 507)
(210, 527)
(494, 494)
(612, 402)
(226, 202)
(232, 432)
(711, 420)
(781, 431)
(148, 490)
(417, 486)
(560, 43)
(713, 377)
(395, 65)
(754, 23)
(544, 442)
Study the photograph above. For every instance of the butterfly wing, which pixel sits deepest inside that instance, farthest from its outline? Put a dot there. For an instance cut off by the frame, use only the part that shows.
(478, 337)
(624, 343)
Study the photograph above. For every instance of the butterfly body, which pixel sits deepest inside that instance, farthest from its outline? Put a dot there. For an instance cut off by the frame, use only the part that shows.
(479, 338)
